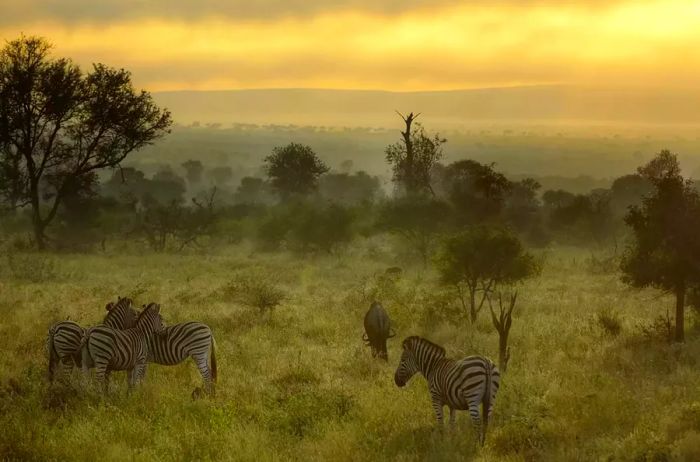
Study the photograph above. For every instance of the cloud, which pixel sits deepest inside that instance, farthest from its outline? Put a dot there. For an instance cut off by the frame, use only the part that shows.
(455, 46)
(86, 11)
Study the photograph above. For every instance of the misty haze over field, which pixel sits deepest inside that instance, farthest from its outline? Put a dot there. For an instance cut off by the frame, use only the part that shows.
(542, 106)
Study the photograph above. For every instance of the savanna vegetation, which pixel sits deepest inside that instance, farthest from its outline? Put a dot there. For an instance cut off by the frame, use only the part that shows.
(587, 295)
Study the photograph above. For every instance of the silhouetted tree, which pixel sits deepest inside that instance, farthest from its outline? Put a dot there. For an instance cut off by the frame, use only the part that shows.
(294, 169)
(475, 261)
(413, 158)
(252, 190)
(417, 220)
(195, 170)
(57, 123)
(477, 191)
(220, 176)
(665, 252)
(349, 189)
(627, 191)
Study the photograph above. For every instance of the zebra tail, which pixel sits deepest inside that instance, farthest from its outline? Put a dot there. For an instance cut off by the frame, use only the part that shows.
(486, 402)
(86, 360)
(53, 354)
(212, 358)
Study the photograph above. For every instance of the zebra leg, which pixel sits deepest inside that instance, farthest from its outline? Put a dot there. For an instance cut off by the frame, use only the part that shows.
(201, 360)
(66, 365)
(437, 407)
(453, 416)
(102, 376)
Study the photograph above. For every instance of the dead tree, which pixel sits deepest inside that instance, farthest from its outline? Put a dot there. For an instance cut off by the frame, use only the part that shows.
(502, 321)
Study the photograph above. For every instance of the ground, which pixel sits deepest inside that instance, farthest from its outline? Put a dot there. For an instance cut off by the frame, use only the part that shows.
(298, 383)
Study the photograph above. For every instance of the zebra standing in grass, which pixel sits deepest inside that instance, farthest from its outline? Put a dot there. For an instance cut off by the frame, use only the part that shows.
(460, 384)
(64, 338)
(110, 349)
(176, 343)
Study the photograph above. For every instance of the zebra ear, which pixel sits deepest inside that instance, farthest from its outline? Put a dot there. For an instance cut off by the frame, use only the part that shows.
(109, 306)
(156, 308)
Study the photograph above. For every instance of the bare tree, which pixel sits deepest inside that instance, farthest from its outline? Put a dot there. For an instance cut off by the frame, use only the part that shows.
(414, 157)
(502, 321)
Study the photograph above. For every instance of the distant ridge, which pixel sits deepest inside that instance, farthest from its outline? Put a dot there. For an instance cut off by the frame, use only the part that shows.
(355, 108)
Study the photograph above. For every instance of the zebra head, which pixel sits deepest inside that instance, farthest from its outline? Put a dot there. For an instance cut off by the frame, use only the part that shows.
(408, 366)
(149, 320)
(419, 355)
(120, 315)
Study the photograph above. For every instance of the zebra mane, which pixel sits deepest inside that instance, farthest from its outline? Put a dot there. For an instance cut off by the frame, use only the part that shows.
(150, 307)
(413, 340)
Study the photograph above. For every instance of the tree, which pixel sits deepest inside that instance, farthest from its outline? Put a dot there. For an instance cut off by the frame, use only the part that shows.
(414, 157)
(194, 170)
(252, 190)
(58, 124)
(418, 221)
(220, 176)
(628, 190)
(477, 191)
(294, 170)
(347, 189)
(475, 261)
(666, 250)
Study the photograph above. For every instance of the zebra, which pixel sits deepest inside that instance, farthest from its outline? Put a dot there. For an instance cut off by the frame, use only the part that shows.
(64, 337)
(459, 384)
(110, 349)
(176, 343)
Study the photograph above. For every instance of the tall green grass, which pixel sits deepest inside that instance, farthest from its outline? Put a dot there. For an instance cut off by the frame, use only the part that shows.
(297, 383)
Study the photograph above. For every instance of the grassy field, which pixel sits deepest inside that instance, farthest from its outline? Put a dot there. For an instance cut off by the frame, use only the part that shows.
(298, 384)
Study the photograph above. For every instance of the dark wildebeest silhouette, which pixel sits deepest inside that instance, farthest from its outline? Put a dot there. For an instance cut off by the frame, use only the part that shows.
(377, 330)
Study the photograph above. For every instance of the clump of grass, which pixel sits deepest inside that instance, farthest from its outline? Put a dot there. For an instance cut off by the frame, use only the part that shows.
(30, 267)
(661, 328)
(609, 321)
(256, 291)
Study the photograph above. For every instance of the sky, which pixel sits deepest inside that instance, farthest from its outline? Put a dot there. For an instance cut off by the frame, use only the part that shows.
(397, 45)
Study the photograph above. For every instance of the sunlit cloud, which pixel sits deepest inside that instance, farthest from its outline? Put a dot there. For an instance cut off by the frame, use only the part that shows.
(454, 45)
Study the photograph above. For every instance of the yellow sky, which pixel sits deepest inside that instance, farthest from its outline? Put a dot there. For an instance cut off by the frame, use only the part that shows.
(464, 44)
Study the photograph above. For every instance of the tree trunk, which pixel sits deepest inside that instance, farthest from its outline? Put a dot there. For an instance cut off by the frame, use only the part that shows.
(503, 351)
(472, 305)
(680, 312)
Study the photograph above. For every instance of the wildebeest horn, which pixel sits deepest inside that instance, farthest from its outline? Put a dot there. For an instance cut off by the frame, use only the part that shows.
(365, 338)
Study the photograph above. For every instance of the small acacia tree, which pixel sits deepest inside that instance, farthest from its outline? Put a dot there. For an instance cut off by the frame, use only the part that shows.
(665, 251)
(477, 260)
(294, 169)
(58, 125)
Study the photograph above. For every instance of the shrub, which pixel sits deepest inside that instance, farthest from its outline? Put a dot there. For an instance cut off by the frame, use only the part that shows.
(256, 292)
(609, 321)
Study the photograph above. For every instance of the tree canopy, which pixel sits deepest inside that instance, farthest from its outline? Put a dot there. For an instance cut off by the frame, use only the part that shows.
(294, 169)
(665, 251)
(59, 124)
(480, 258)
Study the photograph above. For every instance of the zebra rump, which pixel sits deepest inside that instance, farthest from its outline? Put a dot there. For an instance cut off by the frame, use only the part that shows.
(65, 337)
(176, 343)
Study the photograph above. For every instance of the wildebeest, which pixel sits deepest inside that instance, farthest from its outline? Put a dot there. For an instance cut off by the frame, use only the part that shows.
(377, 330)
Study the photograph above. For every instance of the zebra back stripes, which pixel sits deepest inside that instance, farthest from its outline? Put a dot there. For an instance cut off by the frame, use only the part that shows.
(110, 349)
(178, 342)
(459, 384)
(64, 337)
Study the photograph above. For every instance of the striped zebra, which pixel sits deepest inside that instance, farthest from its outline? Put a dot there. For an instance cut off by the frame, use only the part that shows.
(110, 349)
(176, 343)
(64, 337)
(459, 384)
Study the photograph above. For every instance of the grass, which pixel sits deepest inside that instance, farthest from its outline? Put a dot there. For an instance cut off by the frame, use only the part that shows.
(298, 384)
